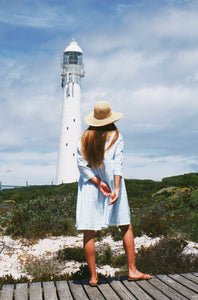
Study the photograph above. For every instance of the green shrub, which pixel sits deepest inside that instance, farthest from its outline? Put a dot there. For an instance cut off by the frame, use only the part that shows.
(76, 254)
(140, 191)
(37, 267)
(99, 234)
(105, 257)
(116, 233)
(185, 225)
(136, 225)
(193, 202)
(164, 258)
(40, 217)
(25, 194)
(153, 224)
(119, 261)
(83, 273)
(186, 180)
(9, 279)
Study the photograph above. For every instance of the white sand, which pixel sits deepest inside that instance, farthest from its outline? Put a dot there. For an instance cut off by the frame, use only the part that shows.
(14, 253)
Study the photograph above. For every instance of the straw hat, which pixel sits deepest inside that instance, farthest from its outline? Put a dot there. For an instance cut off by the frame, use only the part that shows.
(102, 115)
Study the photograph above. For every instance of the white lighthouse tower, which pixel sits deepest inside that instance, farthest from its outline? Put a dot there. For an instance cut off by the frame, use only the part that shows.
(73, 71)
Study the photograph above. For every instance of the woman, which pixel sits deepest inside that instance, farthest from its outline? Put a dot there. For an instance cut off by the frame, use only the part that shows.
(102, 198)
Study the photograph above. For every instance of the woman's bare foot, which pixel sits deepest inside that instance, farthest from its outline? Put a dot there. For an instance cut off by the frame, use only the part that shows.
(94, 280)
(136, 275)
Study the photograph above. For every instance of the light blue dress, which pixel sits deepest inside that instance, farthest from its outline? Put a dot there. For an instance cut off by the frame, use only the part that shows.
(93, 211)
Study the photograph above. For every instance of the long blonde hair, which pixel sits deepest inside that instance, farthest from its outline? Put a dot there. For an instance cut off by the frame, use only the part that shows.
(93, 142)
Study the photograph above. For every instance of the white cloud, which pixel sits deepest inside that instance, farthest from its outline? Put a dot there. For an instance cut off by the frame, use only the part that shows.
(177, 23)
(30, 103)
(122, 69)
(34, 167)
(141, 166)
(36, 15)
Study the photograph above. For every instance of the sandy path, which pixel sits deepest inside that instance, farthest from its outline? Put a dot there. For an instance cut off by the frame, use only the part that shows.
(13, 253)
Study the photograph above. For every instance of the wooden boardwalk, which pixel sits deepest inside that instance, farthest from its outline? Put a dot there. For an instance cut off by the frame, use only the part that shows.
(160, 287)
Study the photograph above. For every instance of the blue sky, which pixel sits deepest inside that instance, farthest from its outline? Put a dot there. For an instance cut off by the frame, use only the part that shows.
(141, 56)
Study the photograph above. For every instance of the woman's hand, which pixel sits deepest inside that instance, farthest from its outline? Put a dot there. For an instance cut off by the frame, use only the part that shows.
(115, 193)
(103, 187)
(114, 196)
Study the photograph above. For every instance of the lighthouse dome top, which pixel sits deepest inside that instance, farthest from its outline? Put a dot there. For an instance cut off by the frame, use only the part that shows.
(73, 47)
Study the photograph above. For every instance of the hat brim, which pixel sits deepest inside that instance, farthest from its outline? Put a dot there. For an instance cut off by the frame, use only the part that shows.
(92, 121)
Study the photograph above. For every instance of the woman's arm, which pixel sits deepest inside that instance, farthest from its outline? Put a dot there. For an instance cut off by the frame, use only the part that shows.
(85, 171)
(103, 187)
(115, 193)
(118, 160)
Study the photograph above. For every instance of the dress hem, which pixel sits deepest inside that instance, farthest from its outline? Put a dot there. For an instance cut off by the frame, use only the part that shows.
(86, 227)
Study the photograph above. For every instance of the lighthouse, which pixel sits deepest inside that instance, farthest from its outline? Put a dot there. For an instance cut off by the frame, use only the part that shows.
(72, 73)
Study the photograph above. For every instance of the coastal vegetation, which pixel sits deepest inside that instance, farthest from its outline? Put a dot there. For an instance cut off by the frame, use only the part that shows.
(166, 209)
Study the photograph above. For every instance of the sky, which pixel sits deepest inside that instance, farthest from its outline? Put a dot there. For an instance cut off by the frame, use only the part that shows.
(139, 55)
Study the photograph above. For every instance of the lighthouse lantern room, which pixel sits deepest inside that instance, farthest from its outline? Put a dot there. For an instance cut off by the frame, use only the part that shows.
(72, 73)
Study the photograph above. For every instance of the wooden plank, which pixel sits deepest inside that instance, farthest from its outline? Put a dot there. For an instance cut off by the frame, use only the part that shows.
(63, 290)
(77, 290)
(184, 281)
(120, 289)
(35, 291)
(166, 289)
(176, 286)
(49, 291)
(107, 290)
(7, 292)
(151, 290)
(92, 292)
(135, 289)
(191, 277)
(21, 292)
(6, 295)
(161, 287)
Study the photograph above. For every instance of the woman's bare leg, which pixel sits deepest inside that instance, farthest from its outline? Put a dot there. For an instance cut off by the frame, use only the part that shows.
(128, 241)
(89, 247)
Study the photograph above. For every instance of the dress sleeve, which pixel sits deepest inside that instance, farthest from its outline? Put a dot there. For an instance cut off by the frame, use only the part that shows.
(118, 156)
(86, 172)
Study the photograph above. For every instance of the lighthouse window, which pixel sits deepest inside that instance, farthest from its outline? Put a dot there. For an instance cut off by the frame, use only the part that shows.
(66, 144)
(73, 58)
(80, 59)
(73, 154)
(67, 127)
(74, 120)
